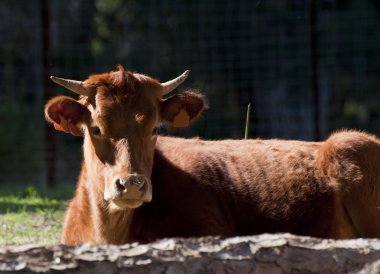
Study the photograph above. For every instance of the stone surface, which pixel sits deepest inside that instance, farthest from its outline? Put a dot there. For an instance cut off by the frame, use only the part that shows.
(267, 253)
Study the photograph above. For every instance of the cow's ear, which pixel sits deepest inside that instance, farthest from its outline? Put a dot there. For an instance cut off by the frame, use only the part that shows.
(181, 109)
(66, 114)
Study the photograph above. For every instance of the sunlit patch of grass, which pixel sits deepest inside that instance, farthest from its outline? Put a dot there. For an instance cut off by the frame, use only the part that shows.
(30, 217)
(25, 227)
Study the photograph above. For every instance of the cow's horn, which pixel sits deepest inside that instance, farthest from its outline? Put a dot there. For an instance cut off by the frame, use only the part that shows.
(172, 84)
(75, 86)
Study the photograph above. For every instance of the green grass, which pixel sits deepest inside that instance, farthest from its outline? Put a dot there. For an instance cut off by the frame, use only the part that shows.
(31, 216)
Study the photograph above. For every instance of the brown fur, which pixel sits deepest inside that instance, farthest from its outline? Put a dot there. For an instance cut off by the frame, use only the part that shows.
(232, 187)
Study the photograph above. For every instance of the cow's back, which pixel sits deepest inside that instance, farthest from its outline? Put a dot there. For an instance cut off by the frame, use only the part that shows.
(235, 187)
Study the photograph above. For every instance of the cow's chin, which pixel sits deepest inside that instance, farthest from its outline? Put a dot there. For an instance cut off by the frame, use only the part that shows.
(120, 204)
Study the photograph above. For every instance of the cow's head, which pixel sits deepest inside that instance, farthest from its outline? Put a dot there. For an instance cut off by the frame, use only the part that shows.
(117, 113)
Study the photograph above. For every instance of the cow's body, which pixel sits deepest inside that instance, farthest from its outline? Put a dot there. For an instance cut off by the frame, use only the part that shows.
(238, 187)
(137, 187)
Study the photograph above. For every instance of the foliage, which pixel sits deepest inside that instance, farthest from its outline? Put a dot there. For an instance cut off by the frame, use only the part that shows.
(20, 140)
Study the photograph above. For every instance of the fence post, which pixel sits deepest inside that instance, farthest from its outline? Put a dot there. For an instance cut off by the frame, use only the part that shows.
(314, 66)
(46, 62)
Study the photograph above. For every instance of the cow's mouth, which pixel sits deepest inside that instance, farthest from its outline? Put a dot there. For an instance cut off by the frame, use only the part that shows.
(123, 202)
(126, 203)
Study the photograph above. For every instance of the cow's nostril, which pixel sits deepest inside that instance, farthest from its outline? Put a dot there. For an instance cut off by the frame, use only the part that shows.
(139, 181)
(120, 187)
(143, 187)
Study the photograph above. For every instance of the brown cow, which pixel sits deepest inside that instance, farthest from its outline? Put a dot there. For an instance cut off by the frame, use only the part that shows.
(134, 186)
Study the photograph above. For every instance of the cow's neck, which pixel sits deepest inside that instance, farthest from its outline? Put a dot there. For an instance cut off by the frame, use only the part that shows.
(108, 225)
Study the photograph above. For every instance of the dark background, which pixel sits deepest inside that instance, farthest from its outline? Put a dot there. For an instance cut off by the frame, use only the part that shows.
(308, 67)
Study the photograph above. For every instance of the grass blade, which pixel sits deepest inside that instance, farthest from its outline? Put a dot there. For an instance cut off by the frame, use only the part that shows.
(247, 121)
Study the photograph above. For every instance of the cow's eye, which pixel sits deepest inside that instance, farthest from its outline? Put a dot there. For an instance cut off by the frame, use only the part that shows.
(95, 131)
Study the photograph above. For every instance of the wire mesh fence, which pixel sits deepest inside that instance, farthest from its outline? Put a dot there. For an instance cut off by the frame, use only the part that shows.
(308, 67)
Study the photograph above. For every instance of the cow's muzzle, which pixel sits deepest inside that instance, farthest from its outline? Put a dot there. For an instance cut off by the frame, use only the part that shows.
(131, 191)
